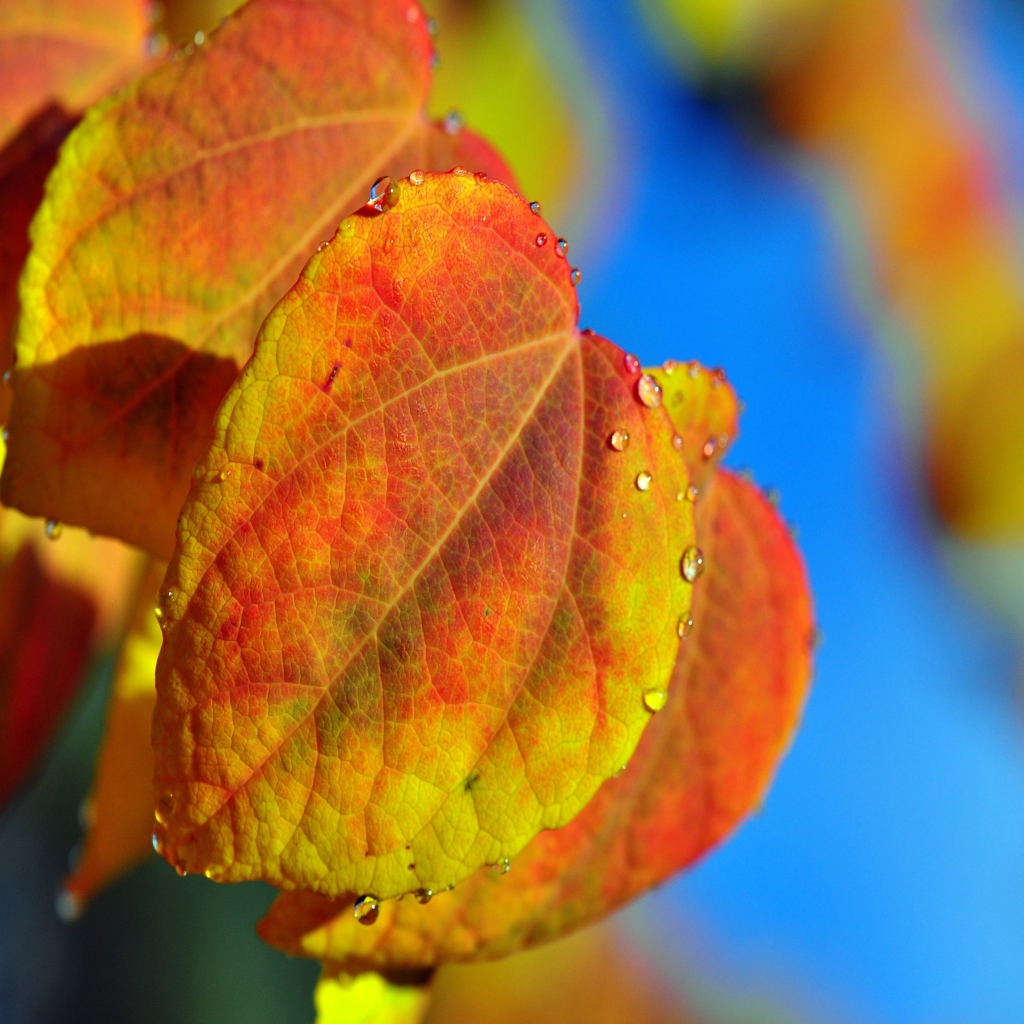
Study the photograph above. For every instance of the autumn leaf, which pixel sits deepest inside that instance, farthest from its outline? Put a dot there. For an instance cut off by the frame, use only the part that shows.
(45, 633)
(595, 975)
(368, 999)
(705, 411)
(25, 162)
(875, 102)
(418, 595)
(64, 52)
(119, 808)
(702, 765)
(559, 150)
(179, 212)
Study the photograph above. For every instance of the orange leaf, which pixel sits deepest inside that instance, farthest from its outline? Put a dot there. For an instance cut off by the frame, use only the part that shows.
(45, 632)
(68, 52)
(25, 163)
(120, 804)
(418, 597)
(705, 410)
(178, 213)
(702, 765)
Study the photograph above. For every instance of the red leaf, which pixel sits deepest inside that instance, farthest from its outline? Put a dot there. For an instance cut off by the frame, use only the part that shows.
(702, 765)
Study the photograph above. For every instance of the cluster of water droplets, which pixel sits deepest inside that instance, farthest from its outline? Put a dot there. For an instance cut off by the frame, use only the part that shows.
(561, 246)
(691, 565)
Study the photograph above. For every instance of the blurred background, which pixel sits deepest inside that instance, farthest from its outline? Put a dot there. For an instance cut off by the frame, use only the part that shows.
(824, 198)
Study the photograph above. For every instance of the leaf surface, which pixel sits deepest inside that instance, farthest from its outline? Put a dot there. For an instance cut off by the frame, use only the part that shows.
(368, 999)
(705, 410)
(179, 212)
(704, 763)
(119, 819)
(25, 162)
(68, 52)
(45, 634)
(417, 597)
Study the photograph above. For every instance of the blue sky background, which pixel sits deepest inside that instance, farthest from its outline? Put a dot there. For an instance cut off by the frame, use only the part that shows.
(884, 879)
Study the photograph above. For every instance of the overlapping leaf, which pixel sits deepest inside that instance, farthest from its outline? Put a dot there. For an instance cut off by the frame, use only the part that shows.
(179, 212)
(119, 818)
(418, 597)
(45, 633)
(61, 600)
(67, 52)
(702, 765)
(25, 162)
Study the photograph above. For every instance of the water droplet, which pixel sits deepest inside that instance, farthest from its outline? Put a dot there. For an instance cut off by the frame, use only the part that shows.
(223, 475)
(631, 363)
(164, 808)
(654, 700)
(322, 246)
(680, 495)
(159, 613)
(459, 172)
(417, 177)
(535, 208)
(7, 376)
(435, 61)
(576, 275)
(677, 442)
(619, 440)
(692, 564)
(213, 873)
(643, 481)
(717, 376)
(503, 866)
(648, 390)
(157, 44)
(684, 627)
(541, 239)
(453, 122)
(5, 435)
(68, 906)
(424, 895)
(366, 909)
(774, 496)
(561, 247)
(157, 845)
(693, 369)
(54, 528)
(383, 195)
(199, 38)
(669, 366)
(709, 448)
(693, 493)
(620, 772)
(433, 27)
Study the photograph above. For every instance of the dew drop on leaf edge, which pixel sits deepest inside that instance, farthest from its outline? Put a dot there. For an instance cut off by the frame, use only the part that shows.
(643, 480)
(648, 390)
(655, 699)
(366, 909)
(54, 529)
(692, 563)
(684, 627)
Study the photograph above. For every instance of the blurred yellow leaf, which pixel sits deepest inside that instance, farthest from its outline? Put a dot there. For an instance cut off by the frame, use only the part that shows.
(120, 805)
(368, 999)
